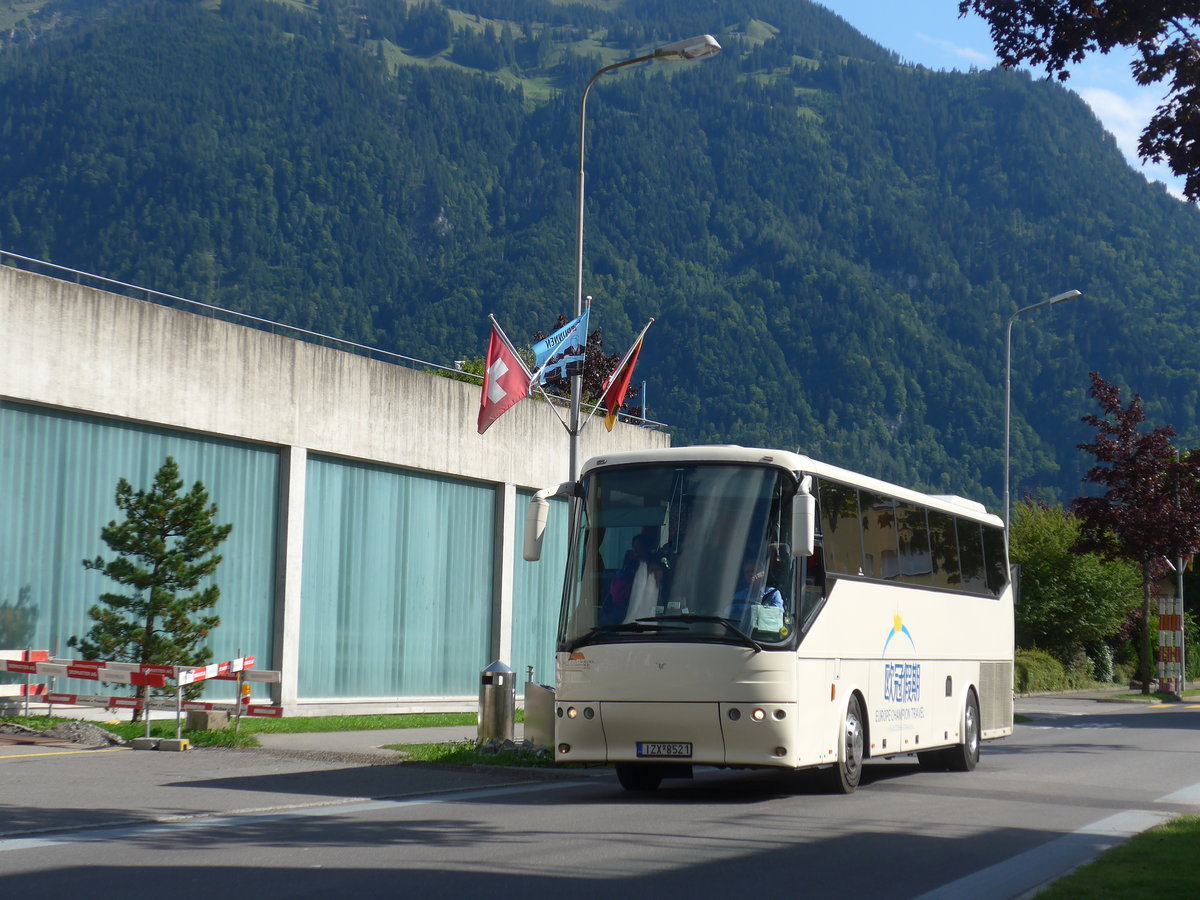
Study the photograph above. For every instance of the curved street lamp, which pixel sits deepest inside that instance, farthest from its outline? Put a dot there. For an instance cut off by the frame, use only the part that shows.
(699, 47)
(1057, 298)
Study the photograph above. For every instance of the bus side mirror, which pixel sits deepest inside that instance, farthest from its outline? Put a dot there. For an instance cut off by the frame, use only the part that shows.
(804, 523)
(536, 516)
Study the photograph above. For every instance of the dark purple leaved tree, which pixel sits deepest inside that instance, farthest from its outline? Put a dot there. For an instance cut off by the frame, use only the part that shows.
(597, 366)
(1150, 509)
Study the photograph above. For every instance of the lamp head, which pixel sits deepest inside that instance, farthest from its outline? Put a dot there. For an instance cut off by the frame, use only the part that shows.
(693, 48)
(1066, 295)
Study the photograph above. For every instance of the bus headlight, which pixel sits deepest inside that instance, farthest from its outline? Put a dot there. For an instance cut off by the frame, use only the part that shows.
(572, 712)
(758, 715)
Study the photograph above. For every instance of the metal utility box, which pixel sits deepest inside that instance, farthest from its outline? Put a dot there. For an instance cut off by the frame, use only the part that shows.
(539, 714)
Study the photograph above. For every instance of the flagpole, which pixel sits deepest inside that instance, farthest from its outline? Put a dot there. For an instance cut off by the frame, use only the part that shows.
(509, 345)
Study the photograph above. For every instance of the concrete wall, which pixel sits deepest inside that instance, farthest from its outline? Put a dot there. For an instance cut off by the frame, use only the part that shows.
(77, 348)
(83, 349)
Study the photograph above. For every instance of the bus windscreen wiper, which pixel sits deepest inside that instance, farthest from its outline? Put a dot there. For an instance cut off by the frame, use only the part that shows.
(639, 626)
(716, 620)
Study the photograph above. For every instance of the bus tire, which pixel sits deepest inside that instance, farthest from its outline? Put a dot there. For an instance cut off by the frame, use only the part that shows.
(964, 757)
(844, 775)
(638, 777)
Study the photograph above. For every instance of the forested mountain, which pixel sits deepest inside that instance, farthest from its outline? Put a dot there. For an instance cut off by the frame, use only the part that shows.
(831, 242)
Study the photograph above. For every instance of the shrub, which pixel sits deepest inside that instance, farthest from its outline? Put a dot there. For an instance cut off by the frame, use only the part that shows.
(1036, 670)
(1124, 672)
(1079, 669)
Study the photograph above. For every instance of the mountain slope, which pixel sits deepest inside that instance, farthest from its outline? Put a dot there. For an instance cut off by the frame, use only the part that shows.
(831, 243)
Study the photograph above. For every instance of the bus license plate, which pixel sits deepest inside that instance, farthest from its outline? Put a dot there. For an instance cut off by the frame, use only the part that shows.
(664, 748)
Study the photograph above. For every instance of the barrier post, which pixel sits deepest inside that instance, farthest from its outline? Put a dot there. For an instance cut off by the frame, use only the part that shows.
(237, 703)
(28, 683)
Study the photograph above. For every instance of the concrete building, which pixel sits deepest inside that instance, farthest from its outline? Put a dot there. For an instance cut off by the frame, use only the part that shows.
(374, 558)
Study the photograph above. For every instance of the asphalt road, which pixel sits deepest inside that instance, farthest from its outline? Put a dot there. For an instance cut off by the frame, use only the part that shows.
(308, 821)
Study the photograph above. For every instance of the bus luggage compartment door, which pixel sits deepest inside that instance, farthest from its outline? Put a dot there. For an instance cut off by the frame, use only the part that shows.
(663, 732)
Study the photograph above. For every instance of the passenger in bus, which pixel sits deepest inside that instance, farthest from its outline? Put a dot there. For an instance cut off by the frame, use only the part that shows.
(639, 577)
(753, 589)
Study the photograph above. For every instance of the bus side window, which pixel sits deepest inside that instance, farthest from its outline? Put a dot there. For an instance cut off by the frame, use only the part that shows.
(944, 550)
(995, 563)
(881, 557)
(970, 556)
(812, 592)
(840, 529)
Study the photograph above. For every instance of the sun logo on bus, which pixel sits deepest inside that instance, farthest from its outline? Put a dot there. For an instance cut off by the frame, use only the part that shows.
(898, 627)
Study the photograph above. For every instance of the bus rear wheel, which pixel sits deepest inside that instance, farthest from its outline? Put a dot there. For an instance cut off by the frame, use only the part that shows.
(843, 776)
(638, 777)
(964, 757)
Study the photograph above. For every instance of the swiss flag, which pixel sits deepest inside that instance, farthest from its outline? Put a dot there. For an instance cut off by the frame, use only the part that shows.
(505, 380)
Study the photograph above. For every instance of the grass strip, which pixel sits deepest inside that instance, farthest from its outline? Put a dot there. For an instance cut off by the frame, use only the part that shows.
(252, 725)
(465, 753)
(1162, 862)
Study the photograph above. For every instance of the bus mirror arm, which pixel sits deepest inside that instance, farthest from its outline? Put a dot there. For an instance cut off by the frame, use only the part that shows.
(804, 516)
(536, 516)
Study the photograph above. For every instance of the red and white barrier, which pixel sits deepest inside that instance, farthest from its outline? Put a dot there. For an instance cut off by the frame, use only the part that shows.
(22, 690)
(1170, 644)
(38, 662)
(132, 673)
(163, 703)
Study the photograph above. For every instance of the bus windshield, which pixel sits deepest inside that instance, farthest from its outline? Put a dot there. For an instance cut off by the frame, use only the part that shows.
(682, 553)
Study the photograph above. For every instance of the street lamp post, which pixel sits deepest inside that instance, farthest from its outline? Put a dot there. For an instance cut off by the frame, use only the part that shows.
(1057, 298)
(699, 47)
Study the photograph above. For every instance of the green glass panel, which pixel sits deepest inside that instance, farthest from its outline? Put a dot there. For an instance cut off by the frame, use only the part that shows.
(397, 583)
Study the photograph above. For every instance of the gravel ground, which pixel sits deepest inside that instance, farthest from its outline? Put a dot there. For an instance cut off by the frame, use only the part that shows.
(83, 733)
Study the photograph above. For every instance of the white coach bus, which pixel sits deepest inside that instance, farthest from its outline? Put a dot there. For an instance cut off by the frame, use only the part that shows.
(736, 607)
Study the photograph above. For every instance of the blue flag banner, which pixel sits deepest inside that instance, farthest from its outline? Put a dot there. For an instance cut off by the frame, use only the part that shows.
(561, 354)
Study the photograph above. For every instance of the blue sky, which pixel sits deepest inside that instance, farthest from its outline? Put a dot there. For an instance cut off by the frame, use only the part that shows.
(929, 32)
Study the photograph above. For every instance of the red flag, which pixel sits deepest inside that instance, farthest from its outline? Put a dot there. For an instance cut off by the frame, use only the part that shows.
(505, 380)
(617, 384)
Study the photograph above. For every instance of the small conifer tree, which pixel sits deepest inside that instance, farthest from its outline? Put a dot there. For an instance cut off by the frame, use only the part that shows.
(165, 547)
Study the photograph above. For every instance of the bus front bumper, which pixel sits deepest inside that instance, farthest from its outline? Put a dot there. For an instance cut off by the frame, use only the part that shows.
(713, 734)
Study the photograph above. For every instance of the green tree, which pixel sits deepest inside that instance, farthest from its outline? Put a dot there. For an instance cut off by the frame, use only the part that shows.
(1069, 600)
(165, 548)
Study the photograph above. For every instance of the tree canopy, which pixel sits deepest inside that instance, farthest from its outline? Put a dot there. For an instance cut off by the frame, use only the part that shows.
(165, 547)
(1149, 511)
(1070, 600)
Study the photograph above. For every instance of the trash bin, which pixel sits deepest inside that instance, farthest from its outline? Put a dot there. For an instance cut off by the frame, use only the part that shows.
(497, 702)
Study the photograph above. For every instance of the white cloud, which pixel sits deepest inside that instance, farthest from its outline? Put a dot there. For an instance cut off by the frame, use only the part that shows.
(1124, 116)
(969, 54)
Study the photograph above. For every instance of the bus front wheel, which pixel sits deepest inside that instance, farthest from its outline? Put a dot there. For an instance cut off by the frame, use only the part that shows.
(843, 776)
(963, 757)
(637, 777)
